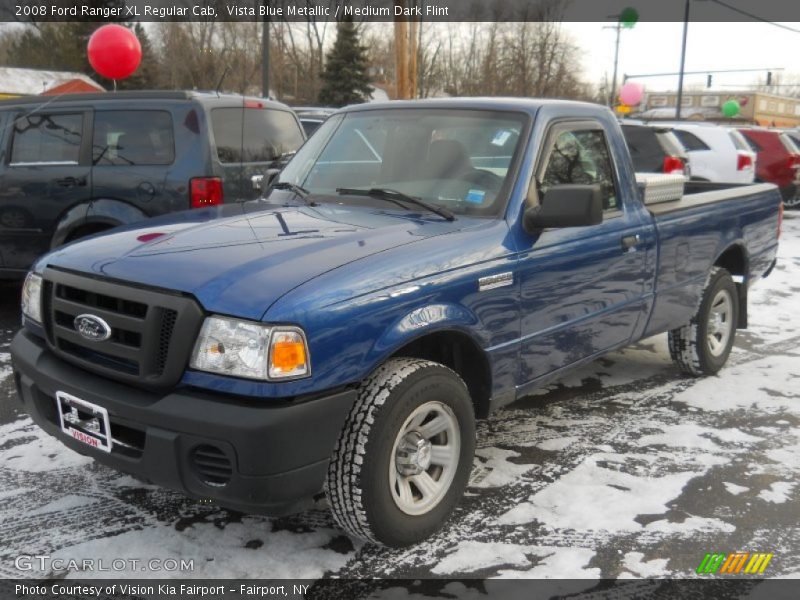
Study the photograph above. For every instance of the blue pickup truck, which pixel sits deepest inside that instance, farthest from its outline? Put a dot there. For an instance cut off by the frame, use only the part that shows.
(415, 266)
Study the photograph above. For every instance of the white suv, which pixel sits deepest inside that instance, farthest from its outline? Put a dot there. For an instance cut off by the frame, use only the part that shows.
(716, 153)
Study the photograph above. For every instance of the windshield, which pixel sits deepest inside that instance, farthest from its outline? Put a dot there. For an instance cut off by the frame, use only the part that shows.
(461, 160)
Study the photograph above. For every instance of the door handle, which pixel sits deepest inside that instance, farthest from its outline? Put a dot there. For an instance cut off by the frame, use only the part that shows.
(630, 241)
(72, 182)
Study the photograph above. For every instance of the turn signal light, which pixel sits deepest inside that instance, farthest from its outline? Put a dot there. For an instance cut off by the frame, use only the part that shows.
(287, 356)
(205, 191)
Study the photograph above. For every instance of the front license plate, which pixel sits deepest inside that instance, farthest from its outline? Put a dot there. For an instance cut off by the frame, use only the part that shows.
(84, 421)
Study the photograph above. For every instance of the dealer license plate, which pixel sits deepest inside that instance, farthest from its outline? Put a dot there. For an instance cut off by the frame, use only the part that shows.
(84, 421)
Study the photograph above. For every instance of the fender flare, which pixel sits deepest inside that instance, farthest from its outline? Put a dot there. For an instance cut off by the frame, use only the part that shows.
(423, 321)
(104, 211)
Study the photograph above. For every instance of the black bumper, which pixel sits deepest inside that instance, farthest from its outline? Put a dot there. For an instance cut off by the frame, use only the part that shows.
(277, 452)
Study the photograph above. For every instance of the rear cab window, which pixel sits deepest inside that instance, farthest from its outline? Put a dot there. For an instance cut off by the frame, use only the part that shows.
(133, 137)
(254, 134)
(43, 138)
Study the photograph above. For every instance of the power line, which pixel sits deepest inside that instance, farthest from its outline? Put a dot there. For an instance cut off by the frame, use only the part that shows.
(754, 16)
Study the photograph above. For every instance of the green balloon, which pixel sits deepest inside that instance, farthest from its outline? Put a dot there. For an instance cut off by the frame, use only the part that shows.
(628, 17)
(731, 108)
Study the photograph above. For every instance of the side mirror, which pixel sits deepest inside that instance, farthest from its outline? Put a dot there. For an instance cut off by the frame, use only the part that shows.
(566, 206)
(262, 182)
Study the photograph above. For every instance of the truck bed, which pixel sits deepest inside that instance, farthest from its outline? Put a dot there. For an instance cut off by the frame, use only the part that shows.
(701, 193)
(694, 232)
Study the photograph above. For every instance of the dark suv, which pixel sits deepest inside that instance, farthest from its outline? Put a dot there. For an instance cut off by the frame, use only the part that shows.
(84, 163)
(655, 149)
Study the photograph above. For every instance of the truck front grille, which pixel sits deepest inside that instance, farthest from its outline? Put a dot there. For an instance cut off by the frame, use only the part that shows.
(152, 331)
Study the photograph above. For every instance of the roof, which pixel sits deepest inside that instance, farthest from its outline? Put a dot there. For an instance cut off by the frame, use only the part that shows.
(484, 103)
(206, 97)
(24, 82)
(73, 86)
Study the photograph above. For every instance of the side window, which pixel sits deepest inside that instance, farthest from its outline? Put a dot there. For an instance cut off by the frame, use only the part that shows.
(43, 138)
(690, 141)
(133, 137)
(254, 134)
(581, 156)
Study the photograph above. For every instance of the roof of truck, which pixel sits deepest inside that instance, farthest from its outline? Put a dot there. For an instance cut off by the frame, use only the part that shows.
(479, 103)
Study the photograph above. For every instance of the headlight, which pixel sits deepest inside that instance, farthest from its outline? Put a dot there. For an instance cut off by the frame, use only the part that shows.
(252, 350)
(32, 297)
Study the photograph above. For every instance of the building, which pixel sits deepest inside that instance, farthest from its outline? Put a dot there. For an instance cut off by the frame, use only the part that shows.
(32, 82)
(769, 110)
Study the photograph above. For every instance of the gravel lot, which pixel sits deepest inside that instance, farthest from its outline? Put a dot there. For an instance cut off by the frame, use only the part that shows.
(622, 469)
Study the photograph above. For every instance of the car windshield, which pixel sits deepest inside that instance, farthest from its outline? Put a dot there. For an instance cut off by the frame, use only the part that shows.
(460, 160)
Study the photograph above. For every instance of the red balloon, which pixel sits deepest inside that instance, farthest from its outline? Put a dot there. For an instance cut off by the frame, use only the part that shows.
(114, 51)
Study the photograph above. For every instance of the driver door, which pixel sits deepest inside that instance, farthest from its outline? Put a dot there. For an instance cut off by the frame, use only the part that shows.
(581, 287)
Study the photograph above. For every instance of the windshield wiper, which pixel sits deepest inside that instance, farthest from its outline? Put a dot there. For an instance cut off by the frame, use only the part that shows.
(298, 190)
(398, 197)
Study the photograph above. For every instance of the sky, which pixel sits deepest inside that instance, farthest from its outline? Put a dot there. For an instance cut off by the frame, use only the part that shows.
(655, 48)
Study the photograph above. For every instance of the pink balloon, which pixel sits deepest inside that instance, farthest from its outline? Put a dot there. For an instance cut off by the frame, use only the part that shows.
(631, 93)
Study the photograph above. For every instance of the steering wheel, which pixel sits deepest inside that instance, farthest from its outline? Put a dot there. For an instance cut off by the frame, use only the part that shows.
(484, 179)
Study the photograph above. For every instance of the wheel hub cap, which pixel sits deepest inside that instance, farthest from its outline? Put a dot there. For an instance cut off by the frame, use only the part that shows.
(425, 458)
(413, 454)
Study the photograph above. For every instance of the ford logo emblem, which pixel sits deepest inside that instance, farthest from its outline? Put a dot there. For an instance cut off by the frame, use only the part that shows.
(92, 328)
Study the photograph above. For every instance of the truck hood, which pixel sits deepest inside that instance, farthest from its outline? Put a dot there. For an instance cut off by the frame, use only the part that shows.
(238, 259)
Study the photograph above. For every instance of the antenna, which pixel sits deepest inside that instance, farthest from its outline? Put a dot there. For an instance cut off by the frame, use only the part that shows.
(221, 79)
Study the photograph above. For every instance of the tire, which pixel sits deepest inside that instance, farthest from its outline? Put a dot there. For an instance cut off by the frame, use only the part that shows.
(369, 496)
(691, 347)
(792, 202)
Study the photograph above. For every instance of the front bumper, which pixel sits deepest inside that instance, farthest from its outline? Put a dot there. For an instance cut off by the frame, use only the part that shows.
(277, 451)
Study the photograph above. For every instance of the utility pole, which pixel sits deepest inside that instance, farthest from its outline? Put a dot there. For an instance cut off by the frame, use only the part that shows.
(612, 96)
(401, 55)
(679, 100)
(412, 58)
(265, 52)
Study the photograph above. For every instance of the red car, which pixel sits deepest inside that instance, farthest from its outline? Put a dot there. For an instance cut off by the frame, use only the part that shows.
(778, 162)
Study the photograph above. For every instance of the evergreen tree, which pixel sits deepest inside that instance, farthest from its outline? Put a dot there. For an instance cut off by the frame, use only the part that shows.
(345, 79)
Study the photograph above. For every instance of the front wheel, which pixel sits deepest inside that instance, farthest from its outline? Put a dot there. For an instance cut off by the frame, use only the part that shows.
(404, 456)
(702, 347)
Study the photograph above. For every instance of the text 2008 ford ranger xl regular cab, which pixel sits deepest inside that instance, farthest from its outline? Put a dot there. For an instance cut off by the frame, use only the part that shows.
(415, 266)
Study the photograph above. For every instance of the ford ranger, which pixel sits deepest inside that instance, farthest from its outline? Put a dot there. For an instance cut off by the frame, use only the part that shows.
(415, 266)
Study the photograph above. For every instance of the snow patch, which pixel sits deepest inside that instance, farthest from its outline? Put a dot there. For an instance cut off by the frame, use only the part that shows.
(633, 562)
(563, 504)
(65, 503)
(778, 492)
(493, 468)
(690, 526)
(556, 444)
(473, 556)
(734, 489)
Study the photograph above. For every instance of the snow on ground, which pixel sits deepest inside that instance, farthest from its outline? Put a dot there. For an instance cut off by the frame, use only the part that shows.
(621, 469)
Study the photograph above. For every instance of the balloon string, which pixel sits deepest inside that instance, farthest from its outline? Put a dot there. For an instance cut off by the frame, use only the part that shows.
(115, 84)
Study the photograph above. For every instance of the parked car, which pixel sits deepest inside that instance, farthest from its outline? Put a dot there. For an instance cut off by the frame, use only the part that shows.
(311, 117)
(83, 163)
(716, 153)
(655, 149)
(415, 266)
(778, 161)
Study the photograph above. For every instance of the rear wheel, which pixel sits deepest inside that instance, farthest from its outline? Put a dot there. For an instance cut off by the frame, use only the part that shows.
(404, 456)
(702, 347)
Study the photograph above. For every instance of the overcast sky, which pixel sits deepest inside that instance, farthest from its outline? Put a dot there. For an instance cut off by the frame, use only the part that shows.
(655, 48)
